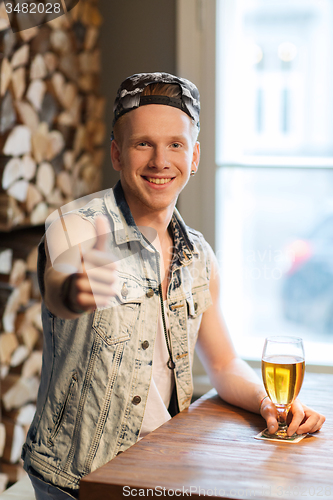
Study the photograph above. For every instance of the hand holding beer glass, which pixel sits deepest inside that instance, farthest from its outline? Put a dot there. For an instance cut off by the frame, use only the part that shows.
(283, 369)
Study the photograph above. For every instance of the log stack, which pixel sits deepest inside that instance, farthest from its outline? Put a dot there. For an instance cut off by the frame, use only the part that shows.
(52, 134)
(20, 343)
(52, 126)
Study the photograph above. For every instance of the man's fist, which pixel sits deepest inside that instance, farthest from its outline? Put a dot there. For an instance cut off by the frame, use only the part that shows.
(94, 286)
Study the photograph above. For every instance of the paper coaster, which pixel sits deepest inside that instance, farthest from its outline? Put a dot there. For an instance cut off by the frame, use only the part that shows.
(296, 438)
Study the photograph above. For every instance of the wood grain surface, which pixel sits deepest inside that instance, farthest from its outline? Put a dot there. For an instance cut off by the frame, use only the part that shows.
(210, 450)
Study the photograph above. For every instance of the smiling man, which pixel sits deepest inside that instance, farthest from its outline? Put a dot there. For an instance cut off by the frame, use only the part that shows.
(126, 304)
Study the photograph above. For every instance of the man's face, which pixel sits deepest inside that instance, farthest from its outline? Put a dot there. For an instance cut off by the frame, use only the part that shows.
(155, 156)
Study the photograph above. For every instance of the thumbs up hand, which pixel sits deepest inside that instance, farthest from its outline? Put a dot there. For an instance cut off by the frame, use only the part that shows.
(102, 229)
(93, 287)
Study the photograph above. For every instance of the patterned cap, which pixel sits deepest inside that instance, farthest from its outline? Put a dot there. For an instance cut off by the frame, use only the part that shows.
(129, 95)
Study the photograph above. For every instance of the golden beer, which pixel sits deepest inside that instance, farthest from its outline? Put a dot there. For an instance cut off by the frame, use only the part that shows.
(283, 377)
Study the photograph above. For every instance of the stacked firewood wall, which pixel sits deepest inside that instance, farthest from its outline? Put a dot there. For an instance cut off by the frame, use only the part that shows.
(52, 128)
(20, 344)
(52, 134)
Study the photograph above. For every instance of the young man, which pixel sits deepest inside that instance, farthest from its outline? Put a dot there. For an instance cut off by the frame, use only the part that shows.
(128, 299)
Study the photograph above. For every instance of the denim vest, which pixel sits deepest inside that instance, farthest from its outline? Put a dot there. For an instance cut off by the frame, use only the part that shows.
(96, 369)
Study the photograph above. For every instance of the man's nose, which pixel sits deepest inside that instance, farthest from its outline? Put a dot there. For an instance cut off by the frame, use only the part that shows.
(159, 158)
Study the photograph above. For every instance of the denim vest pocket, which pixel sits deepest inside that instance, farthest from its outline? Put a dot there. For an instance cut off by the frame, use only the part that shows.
(198, 301)
(116, 323)
(60, 416)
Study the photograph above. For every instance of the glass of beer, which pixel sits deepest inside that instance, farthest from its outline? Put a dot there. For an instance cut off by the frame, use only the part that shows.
(283, 369)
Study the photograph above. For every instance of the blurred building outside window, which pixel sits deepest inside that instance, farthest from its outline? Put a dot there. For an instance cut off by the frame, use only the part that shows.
(275, 172)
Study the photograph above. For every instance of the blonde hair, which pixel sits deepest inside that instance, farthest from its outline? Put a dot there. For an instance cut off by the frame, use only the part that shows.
(167, 89)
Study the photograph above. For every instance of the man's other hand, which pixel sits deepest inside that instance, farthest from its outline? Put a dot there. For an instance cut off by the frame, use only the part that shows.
(301, 419)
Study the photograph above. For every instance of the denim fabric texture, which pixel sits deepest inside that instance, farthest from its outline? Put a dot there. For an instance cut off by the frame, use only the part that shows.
(44, 491)
(96, 373)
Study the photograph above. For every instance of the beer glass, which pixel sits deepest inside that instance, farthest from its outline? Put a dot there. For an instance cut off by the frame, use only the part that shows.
(283, 368)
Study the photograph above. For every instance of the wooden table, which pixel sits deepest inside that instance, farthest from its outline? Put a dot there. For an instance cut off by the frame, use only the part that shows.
(210, 450)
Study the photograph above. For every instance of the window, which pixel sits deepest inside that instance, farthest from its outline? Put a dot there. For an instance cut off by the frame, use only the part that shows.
(276, 77)
(274, 220)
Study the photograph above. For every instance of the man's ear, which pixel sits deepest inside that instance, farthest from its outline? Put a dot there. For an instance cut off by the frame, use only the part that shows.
(196, 156)
(115, 156)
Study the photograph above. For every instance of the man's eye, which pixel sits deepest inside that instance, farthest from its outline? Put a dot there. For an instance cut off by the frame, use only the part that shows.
(176, 145)
(143, 144)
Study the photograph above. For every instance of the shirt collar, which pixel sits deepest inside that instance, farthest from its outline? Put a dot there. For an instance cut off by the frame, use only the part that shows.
(126, 229)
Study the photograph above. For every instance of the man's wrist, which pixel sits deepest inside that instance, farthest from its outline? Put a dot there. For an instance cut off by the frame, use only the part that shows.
(261, 402)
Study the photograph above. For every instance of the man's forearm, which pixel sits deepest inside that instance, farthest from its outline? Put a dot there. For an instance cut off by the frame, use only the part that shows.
(239, 385)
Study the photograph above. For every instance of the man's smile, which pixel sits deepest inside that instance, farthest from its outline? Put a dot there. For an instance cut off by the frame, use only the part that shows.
(158, 180)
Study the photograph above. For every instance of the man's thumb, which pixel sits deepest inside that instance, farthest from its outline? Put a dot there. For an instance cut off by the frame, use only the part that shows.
(102, 231)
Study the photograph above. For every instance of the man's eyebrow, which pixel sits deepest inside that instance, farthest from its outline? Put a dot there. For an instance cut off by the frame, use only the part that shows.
(180, 137)
(138, 137)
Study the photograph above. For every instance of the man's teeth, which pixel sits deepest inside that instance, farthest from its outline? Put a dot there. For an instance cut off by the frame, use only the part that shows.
(158, 181)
